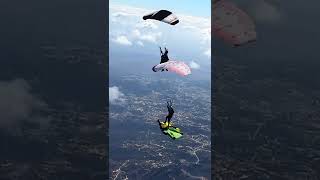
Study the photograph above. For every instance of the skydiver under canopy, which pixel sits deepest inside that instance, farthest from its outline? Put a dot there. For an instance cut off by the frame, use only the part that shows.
(164, 56)
(166, 127)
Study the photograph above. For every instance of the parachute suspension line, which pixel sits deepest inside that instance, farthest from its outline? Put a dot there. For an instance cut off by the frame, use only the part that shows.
(162, 41)
(166, 36)
(169, 35)
(166, 17)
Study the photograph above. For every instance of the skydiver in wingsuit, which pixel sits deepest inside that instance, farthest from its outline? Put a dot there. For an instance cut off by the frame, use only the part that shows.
(166, 127)
(167, 123)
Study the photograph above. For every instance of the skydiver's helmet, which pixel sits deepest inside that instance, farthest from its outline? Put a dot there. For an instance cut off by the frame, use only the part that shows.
(154, 68)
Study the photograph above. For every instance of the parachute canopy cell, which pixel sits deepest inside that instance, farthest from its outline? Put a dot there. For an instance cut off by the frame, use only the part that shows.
(173, 66)
(173, 133)
(232, 24)
(164, 16)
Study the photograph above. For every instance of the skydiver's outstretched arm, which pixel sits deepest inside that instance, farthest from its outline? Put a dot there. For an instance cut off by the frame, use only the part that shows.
(161, 51)
(166, 58)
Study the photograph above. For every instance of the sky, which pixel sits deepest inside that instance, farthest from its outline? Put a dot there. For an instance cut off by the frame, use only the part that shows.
(191, 7)
(188, 41)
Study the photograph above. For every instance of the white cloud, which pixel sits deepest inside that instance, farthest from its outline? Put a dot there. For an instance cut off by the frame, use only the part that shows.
(147, 25)
(149, 31)
(206, 35)
(115, 96)
(119, 14)
(129, 10)
(199, 25)
(208, 53)
(152, 37)
(190, 28)
(136, 33)
(140, 43)
(123, 40)
(18, 103)
(194, 65)
(117, 17)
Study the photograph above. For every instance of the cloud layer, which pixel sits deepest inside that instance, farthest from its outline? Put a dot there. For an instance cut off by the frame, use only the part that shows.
(17, 103)
(128, 27)
(207, 53)
(194, 65)
(123, 40)
(115, 96)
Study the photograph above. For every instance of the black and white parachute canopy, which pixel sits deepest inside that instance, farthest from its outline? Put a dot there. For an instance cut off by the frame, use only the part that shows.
(164, 16)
